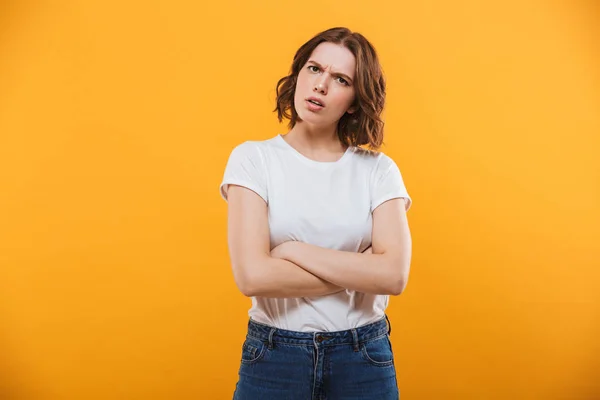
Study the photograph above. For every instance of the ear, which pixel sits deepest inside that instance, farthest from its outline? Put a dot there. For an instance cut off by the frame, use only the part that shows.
(352, 110)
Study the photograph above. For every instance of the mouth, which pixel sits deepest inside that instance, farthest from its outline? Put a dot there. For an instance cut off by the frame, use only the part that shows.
(315, 101)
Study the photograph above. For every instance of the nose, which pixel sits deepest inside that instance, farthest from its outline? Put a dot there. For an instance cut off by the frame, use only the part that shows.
(320, 87)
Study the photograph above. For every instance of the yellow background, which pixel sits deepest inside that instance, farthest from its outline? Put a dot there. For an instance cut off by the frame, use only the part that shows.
(117, 119)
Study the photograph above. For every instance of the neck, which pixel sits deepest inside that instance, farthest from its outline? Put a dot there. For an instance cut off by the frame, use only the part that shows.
(315, 139)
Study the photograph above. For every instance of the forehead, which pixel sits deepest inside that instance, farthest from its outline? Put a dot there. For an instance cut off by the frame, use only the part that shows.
(336, 57)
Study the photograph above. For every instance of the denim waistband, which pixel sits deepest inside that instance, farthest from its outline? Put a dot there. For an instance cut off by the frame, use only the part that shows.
(351, 336)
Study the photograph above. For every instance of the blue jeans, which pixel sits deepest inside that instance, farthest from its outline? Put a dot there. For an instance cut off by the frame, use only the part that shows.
(356, 364)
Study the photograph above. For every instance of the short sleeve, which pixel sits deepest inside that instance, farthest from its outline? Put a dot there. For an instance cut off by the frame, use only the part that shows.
(387, 183)
(246, 168)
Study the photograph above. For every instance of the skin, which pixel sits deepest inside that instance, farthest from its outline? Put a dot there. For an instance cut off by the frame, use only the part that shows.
(315, 136)
(296, 269)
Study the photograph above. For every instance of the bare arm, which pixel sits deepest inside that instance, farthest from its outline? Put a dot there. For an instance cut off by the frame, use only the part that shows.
(383, 272)
(255, 271)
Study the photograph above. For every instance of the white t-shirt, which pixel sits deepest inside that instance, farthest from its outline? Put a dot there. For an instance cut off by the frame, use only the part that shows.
(328, 204)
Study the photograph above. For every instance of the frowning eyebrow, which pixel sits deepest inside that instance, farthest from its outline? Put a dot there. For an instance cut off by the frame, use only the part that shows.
(333, 73)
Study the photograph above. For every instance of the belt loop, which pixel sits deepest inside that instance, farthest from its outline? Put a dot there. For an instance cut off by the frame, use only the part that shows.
(355, 339)
(389, 325)
(271, 338)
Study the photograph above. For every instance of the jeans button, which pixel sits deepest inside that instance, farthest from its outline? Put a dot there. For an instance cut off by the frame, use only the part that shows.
(319, 339)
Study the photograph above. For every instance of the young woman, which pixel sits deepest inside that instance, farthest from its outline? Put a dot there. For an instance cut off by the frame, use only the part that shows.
(318, 234)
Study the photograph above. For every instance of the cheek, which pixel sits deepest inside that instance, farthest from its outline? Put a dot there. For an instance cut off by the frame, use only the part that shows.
(300, 84)
(301, 80)
(344, 100)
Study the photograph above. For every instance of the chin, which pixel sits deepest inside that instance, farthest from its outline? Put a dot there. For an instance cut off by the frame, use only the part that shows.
(312, 119)
(315, 122)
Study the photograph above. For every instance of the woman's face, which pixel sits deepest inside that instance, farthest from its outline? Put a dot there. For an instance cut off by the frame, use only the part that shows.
(328, 76)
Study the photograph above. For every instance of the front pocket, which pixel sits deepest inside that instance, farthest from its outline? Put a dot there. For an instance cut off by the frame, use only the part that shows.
(378, 352)
(252, 350)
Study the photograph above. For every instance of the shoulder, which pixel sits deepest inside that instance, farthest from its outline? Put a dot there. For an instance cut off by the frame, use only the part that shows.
(373, 159)
(385, 162)
(256, 146)
(248, 147)
(366, 154)
(254, 150)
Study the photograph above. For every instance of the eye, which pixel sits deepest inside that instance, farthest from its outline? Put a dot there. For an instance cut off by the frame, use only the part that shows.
(315, 68)
(343, 81)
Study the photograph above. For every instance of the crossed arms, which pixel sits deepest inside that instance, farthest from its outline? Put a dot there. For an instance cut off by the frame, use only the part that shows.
(297, 269)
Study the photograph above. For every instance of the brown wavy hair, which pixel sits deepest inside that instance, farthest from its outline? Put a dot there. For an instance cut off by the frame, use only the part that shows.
(365, 125)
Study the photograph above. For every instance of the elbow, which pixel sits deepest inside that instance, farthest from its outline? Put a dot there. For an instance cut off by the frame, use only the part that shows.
(249, 280)
(395, 277)
(247, 286)
(396, 287)
(244, 281)
(246, 289)
(397, 281)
